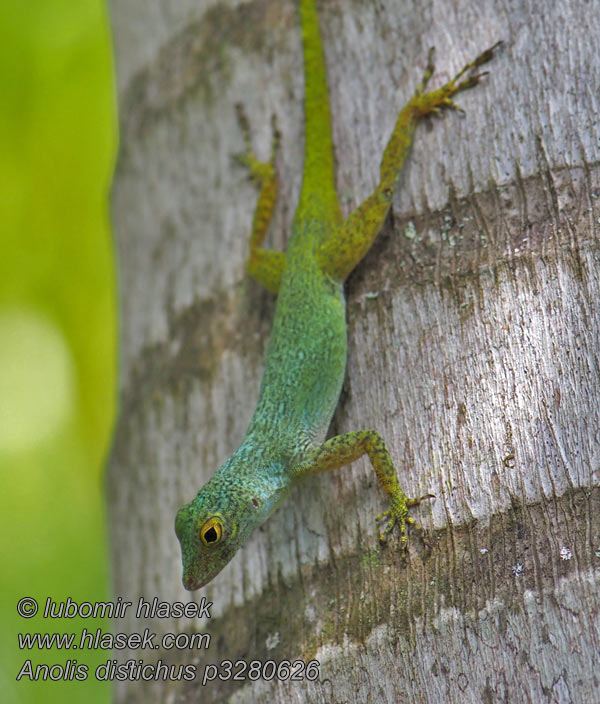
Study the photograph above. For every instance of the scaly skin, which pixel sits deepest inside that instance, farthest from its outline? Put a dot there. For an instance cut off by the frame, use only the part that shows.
(306, 357)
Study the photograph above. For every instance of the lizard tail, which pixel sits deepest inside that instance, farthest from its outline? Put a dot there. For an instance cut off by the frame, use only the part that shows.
(318, 198)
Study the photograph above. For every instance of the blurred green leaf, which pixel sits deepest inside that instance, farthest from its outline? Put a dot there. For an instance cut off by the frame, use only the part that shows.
(57, 147)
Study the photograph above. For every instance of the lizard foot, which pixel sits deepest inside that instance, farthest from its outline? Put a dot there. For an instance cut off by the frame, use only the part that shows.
(258, 171)
(436, 100)
(398, 514)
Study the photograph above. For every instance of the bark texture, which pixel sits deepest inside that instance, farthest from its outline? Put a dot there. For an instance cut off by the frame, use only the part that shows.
(473, 349)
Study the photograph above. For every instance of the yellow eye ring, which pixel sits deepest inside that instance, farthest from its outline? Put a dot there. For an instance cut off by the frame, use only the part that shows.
(212, 531)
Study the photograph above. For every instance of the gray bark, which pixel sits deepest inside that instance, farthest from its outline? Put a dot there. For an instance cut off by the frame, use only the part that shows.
(473, 349)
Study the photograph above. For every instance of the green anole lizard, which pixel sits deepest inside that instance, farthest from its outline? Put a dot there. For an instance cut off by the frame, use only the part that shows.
(306, 357)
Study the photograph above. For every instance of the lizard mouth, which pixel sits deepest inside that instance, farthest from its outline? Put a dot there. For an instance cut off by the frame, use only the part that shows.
(191, 584)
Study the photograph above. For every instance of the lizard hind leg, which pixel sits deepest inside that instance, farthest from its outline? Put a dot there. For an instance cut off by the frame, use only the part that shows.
(348, 243)
(264, 265)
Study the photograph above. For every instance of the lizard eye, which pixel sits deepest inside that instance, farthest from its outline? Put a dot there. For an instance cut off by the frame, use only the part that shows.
(211, 531)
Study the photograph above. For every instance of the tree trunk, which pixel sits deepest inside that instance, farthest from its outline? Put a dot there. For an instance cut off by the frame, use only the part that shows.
(473, 350)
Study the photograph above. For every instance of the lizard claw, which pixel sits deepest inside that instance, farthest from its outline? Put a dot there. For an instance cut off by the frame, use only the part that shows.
(441, 98)
(258, 171)
(398, 514)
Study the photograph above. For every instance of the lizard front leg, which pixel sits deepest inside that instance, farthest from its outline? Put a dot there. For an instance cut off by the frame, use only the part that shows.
(343, 449)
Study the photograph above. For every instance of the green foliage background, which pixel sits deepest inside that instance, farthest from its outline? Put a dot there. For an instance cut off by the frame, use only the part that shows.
(57, 325)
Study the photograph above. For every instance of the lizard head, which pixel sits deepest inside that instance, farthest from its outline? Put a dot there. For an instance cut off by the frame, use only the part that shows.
(218, 522)
(209, 533)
